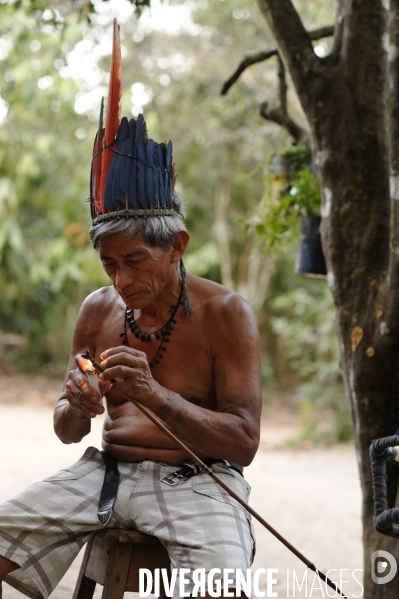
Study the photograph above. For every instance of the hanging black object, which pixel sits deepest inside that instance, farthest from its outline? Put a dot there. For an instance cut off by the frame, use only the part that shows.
(384, 450)
(310, 259)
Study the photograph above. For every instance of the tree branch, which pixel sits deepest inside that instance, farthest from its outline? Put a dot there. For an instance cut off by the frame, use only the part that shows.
(277, 116)
(293, 41)
(247, 61)
(282, 86)
(280, 115)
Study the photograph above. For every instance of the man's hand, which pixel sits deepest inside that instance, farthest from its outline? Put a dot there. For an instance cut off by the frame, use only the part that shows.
(132, 373)
(83, 399)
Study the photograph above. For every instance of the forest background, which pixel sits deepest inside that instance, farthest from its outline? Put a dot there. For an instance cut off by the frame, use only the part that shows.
(54, 65)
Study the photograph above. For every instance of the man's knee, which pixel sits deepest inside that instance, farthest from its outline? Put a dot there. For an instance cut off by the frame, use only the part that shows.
(6, 566)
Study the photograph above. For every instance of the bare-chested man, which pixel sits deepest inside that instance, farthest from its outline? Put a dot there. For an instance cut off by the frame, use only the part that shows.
(184, 347)
(206, 388)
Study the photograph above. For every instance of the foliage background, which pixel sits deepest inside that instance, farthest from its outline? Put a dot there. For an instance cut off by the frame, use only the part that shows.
(54, 62)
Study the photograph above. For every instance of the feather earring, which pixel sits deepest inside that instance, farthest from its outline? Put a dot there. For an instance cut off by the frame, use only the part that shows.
(187, 310)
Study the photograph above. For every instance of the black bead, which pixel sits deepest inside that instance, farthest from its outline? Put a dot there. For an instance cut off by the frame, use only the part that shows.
(150, 364)
(137, 334)
(162, 348)
(160, 355)
(124, 342)
(157, 336)
(173, 320)
(165, 340)
(122, 335)
(156, 361)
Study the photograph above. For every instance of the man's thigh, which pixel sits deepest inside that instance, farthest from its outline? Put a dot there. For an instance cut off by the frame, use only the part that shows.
(201, 525)
(43, 528)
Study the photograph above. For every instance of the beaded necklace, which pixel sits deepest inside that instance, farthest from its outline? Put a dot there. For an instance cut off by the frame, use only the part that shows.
(162, 334)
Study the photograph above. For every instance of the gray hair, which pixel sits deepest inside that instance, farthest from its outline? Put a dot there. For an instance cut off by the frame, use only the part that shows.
(158, 230)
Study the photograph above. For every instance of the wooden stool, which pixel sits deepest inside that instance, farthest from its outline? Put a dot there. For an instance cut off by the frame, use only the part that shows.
(113, 558)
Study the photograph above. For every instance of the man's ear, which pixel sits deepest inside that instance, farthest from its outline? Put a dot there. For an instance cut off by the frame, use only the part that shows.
(178, 246)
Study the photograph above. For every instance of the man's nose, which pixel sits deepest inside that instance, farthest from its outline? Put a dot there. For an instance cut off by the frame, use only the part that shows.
(122, 279)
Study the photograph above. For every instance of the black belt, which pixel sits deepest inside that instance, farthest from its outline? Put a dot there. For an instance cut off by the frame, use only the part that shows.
(109, 489)
(110, 486)
(231, 465)
(190, 469)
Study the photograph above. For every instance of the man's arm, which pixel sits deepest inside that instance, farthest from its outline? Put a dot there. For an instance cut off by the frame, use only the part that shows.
(232, 432)
(79, 403)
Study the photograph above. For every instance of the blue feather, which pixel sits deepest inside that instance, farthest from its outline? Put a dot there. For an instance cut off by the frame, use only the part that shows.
(108, 196)
(169, 157)
(130, 192)
(133, 186)
(132, 135)
(116, 181)
(150, 151)
(161, 156)
(149, 181)
(141, 185)
(162, 198)
(155, 179)
(129, 168)
(140, 137)
(168, 190)
(121, 193)
(149, 186)
(161, 163)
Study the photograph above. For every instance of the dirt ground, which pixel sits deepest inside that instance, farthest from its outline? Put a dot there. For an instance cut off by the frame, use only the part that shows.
(310, 495)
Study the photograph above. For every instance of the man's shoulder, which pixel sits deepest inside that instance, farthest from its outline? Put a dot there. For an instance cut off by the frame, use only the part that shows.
(100, 301)
(219, 301)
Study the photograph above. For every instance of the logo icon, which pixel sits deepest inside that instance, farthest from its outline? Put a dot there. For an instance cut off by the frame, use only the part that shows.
(383, 567)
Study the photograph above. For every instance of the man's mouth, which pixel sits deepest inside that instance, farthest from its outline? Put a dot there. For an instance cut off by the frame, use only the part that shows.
(131, 295)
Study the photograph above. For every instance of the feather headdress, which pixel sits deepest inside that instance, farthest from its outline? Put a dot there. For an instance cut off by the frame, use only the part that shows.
(131, 175)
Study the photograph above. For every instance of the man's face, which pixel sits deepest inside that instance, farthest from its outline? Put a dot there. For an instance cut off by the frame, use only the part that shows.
(138, 270)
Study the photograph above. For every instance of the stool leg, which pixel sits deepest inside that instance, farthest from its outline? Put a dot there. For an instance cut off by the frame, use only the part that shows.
(84, 586)
(117, 571)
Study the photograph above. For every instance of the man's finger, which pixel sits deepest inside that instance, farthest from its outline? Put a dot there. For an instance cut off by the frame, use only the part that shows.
(118, 372)
(81, 384)
(81, 362)
(79, 403)
(120, 349)
(125, 359)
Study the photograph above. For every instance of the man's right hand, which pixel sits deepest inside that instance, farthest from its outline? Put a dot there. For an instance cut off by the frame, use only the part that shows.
(83, 399)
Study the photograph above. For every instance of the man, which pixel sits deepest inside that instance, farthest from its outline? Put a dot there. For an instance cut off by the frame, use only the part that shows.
(184, 347)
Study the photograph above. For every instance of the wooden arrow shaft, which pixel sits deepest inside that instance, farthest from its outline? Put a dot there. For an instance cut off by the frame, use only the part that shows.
(215, 477)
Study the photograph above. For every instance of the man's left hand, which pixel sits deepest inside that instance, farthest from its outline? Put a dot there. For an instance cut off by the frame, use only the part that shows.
(130, 369)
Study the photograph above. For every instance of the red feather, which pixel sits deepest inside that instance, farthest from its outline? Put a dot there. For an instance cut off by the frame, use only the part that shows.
(113, 113)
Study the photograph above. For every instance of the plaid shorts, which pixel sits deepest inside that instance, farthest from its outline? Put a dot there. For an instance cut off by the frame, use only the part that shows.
(200, 525)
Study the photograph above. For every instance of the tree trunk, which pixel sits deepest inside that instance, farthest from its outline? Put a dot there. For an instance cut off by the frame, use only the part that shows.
(345, 99)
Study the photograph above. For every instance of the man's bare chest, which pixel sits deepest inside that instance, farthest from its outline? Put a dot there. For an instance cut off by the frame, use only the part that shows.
(185, 362)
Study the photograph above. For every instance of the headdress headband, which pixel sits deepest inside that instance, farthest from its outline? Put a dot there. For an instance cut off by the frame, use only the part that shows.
(131, 175)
